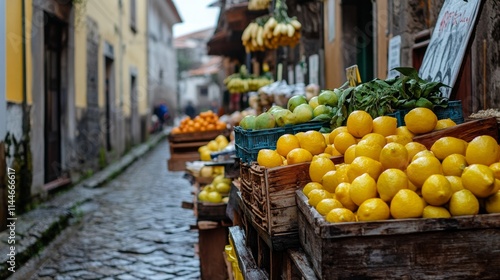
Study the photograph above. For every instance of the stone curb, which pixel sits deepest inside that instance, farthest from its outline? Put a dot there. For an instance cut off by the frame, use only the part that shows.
(37, 228)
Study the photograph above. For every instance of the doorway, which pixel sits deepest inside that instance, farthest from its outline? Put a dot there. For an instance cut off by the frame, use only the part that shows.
(109, 100)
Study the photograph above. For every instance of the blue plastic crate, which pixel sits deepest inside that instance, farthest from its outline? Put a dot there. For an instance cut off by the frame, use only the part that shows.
(454, 111)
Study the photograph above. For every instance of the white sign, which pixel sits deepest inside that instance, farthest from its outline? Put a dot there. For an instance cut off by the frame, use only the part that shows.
(290, 75)
(299, 74)
(394, 59)
(331, 20)
(314, 69)
(450, 37)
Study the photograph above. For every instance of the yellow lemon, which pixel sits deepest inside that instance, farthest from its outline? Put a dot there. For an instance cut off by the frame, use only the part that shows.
(385, 125)
(330, 181)
(454, 165)
(213, 145)
(373, 209)
(298, 155)
(390, 182)
(413, 148)
(495, 167)
(342, 170)
(343, 141)
(363, 188)
(420, 120)
(326, 205)
(394, 155)
(455, 183)
(286, 143)
(359, 123)
(342, 194)
(492, 204)
(316, 195)
(335, 132)
(436, 190)
(340, 215)
(311, 186)
(406, 204)
(375, 138)
(448, 145)
(313, 141)
(435, 212)
(329, 149)
(269, 158)
(404, 131)
(483, 150)
(322, 155)
(462, 203)
(318, 167)
(479, 179)
(350, 154)
(424, 153)
(412, 186)
(444, 123)
(362, 165)
(421, 168)
(401, 139)
(368, 149)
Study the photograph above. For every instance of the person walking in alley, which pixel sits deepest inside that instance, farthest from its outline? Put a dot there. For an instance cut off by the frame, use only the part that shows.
(190, 110)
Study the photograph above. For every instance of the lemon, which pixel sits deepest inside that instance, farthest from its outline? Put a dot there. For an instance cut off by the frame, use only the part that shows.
(368, 149)
(286, 143)
(390, 182)
(424, 153)
(359, 123)
(223, 187)
(375, 138)
(482, 149)
(213, 145)
(420, 120)
(492, 204)
(406, 204)
(454, 165)
(435, 212)
(342, 194)
(394, 155)
(330, 149)
(362, 165)
(373, 209)
(318, 167)
(214, 197)
(436, 190)
(350, 154)
(412, 186)
(455, 183)
(342, 170)
(311, 186)
(495, 167)
(401, 139)
(330, 181)
(404, 131)
(203, 195)
(313, 141)
(327, 204)
(322, 155)
(421, 168)
(335, 132)
(313, 102)
(479, 179)
(463, 203)
(340, 215)
(316, 195)
(343, 141)
(298, 155)
(448, 145)
(385, 125)
(413, 148)
(444, 123)
(269, 158)
(363, 188)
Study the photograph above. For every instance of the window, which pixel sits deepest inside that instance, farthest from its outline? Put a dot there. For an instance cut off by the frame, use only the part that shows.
(203, 90)
(133, 19)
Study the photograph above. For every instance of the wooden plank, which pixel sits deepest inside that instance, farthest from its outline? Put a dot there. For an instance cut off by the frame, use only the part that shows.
(211, 244)
(204, 225)
(246, 261)
(466, 131)
(198, 136)
(187, 205)
(299, 265)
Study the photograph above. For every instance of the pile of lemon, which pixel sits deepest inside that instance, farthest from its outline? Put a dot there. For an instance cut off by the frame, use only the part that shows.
(217, 191)
(386, 175)
(218, 144)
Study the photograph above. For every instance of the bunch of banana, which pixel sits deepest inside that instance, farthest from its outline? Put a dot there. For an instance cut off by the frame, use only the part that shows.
(255, 84)
(237, 85)
(270, 34)
(254, 5)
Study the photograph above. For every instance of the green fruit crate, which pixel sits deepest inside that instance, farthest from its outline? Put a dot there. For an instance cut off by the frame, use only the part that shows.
(249, 142)
(453, 111)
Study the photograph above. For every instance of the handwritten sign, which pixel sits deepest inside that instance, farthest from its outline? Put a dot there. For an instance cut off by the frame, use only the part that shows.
(444, 55)
(394, 56)
(352, 74)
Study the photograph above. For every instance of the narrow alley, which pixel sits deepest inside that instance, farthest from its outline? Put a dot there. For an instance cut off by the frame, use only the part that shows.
(135, 230)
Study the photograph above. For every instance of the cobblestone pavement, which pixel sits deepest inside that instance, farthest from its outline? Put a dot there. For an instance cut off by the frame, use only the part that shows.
(135, 230)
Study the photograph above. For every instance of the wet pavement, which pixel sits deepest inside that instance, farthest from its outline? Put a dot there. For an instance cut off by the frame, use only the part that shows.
(136, 229)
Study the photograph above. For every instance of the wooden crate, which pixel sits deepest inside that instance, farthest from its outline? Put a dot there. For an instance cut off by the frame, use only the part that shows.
(207, 211)
(211, 242)
(466, 131)
(456, 248)
(177, 162)
(246, 261)
(297, 266)
(197, 136)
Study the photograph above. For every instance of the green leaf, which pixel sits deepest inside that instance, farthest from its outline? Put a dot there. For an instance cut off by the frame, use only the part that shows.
(408, 71)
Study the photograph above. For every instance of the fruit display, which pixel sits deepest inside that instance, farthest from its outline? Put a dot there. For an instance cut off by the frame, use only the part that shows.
(242, 81)
(204, 121)
(218, 144)
(255, 5)
(385, 175)
(272, 31)
(217, 191)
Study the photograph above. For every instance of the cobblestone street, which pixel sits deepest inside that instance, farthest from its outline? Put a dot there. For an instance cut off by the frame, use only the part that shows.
(135, 230)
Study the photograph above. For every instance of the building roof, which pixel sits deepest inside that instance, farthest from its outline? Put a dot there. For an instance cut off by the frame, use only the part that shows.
(192, 40)
(171, 4)
(212, 66)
